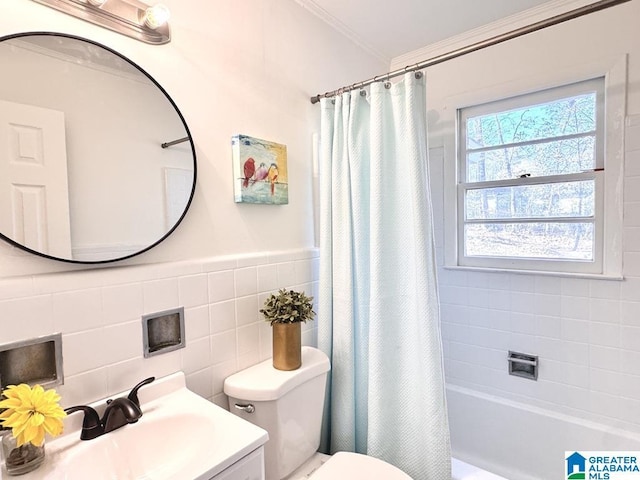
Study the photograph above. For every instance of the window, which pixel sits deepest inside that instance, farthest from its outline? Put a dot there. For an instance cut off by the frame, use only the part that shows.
(531, 181)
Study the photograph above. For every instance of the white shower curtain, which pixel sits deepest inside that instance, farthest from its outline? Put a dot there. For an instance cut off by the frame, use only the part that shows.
(378, 303)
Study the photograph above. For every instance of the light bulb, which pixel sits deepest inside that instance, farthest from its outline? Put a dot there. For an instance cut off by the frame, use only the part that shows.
(156, 16)
(97, 3)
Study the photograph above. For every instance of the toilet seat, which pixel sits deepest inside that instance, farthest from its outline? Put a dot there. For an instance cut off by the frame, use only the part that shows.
(354, 466)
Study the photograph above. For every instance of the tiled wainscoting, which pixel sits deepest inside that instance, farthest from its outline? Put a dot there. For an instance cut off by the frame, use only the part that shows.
(98, 312)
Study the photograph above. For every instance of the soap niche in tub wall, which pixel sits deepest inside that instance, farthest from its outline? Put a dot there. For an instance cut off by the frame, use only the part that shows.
(37, 360)
(163, 332)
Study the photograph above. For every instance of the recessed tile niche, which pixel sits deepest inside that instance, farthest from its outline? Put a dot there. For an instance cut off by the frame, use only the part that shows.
(32, 361)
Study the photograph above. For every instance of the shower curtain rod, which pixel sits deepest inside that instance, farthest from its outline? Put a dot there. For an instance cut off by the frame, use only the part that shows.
(174, 142)
(549, 22)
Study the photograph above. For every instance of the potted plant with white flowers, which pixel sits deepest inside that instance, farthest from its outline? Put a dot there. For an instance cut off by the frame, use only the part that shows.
(285, 311)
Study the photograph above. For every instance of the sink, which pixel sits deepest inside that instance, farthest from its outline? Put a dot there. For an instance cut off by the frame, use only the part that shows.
(158, 447)
(180, 436)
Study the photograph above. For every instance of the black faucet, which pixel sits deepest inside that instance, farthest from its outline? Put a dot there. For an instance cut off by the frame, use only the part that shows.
(119, 412)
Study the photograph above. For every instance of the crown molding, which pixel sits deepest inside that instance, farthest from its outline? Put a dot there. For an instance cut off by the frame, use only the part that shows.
(507, 24)
(337, 25)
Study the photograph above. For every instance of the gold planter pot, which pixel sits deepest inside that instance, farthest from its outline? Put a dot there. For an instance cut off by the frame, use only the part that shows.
(287, 346)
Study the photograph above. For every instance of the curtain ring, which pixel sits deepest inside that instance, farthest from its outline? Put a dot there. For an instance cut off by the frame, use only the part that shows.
(387, 83)
(363, 92)
(418, 74)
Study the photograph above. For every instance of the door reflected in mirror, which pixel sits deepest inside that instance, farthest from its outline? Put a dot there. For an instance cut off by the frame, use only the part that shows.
(83, 174)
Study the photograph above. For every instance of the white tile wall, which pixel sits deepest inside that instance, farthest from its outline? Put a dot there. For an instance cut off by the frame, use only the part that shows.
(99, 314)
(586, 331)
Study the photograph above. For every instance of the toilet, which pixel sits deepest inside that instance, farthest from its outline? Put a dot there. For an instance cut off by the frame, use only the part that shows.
(289, 406)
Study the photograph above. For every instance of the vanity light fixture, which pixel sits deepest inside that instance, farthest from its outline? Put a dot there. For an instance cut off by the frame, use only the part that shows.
(133, 18)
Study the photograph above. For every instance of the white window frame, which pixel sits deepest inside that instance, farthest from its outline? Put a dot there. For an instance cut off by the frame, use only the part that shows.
(545, 96)
(608, 250)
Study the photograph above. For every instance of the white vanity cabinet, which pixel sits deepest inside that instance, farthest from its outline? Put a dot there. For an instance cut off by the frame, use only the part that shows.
(250, 467)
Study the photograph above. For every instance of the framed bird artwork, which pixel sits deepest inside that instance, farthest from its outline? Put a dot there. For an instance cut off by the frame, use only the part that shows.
(259, 171)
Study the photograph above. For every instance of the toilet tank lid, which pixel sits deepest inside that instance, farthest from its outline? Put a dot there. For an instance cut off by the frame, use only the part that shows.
(262, 382)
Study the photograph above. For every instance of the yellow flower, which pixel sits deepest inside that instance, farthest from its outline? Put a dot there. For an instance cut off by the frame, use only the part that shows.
(30, 412)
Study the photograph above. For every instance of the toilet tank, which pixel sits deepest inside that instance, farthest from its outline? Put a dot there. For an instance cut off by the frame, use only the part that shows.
(288, 405)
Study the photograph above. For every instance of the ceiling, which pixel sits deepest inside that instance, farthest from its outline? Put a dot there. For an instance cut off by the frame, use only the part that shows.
(392, 28)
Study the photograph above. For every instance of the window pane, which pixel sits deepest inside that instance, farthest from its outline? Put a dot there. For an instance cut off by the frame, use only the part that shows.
(553, 241)
(566, 199)
(566, 116)
(550, 158)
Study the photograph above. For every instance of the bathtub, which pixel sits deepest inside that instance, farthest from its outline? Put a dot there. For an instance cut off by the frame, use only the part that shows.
(517, 441)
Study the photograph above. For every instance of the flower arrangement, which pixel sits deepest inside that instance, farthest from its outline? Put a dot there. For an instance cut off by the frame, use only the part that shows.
(288, 306)
(30, 412)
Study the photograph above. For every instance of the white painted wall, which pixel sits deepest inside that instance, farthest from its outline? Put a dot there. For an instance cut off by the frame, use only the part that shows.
(586, 331)
(232, 67)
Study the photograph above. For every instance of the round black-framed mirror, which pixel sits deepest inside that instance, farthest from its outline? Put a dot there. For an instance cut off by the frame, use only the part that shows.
(97, 163)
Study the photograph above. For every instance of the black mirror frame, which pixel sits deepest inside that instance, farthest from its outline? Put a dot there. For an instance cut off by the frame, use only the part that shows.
(184, 123)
